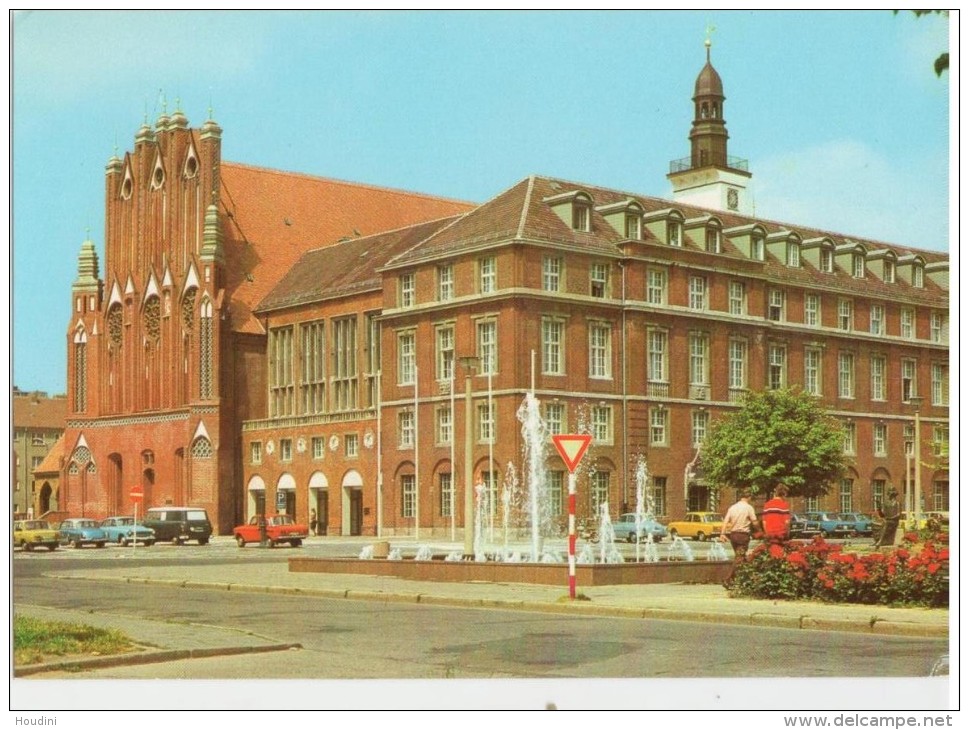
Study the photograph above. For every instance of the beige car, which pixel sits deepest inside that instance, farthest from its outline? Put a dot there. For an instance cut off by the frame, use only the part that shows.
(28, 534)
(697, 525)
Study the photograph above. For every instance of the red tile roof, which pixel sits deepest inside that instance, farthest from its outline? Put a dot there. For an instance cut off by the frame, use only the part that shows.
(33, 411)
(270, 218)
(52, 462)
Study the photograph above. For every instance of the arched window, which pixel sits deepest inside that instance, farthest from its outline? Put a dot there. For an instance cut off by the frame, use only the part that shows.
(115, 325)
(202, 448)
(80, 370)
(188, 309)
(205, 349)
(152, 316)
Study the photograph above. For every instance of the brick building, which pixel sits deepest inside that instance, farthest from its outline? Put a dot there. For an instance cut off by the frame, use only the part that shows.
(38, 423)
(336, 371)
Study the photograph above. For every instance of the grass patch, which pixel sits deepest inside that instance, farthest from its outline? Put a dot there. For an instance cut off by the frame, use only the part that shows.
(36, 640)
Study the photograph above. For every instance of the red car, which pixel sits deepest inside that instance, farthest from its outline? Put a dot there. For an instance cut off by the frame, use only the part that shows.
(279, 528)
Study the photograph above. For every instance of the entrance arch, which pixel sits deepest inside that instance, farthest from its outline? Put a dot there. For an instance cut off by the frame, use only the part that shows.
(256, 489)
(43, 498)
(319, 500)
(287, 487)
(352, 522)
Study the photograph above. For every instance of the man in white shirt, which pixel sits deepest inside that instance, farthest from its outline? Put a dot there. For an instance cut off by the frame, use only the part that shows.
(738, 525)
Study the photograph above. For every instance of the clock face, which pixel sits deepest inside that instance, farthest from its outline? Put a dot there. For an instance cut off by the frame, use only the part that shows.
(733, 199)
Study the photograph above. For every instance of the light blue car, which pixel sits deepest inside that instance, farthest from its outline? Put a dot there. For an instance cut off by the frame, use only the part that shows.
(79, 531)
(624, 528)
(124, 531)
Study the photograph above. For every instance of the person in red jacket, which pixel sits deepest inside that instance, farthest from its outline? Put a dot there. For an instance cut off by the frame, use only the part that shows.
(776, 517)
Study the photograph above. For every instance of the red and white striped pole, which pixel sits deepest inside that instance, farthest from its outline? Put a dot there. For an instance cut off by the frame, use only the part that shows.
(571, 535)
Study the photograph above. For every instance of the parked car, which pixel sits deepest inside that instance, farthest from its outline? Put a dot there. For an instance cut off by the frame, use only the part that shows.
(179, 524)
(831, 524)
(803, 527)
(124, 531)
(698, 525)
(863, 524)
(78, 531)
(28, 534)
(624, 528)
(279, 528)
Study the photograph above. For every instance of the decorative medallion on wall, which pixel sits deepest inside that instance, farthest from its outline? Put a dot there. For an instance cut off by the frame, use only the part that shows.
(334, 442)
(368, 439)
(270, 447)
(300, 445)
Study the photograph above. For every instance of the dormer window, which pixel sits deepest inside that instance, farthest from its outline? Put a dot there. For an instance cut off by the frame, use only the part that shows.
(888, 271)
(757, 247)
(827, 260)
(793, 254)
(858, 266)
(674, 233)
(713, 240)
(580, 216)
(634, 227)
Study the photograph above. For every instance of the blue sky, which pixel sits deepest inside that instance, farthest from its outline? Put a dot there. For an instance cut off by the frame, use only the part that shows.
(840, 114)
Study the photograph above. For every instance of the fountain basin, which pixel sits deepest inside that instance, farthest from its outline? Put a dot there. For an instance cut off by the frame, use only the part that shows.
(599, 574)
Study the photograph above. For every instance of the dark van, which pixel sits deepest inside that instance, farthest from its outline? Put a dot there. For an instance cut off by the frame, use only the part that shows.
(179, 524)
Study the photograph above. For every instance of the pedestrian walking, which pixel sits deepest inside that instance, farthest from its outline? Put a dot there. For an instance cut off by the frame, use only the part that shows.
(313, 522)
(739, 524)
(890, 512)
(777, 516)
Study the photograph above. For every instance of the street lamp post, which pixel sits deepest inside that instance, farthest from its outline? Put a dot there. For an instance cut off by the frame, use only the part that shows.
(917, 457)
(470, 364)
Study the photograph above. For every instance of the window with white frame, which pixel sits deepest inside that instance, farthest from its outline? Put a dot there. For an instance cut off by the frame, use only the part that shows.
(281, 395)
(351, 445)
(556, 490)
(940, 384)
(846, 375)
(656, 358)
(406, 358)
(846, 313)
(674, 233)
(909, 384)
(487, 275)
(918, 276)
(812, 370)
(658, 426)
(602, 424)
(757, 247)
(737, 364)
(408, 496)
(775, 305)
(555, 417)
(343, 354)
(907, 323)
(598, 280)
(657, 496)
(827, 261)
(940, 495)
(700, 419)
(446, 494)
(553, 360)
(858, 266)
(848, 444)
(793, 254)
(812, 310)
(699, 343)
(551, 273)
(908, 436)
(600, 350)
(445, 283)
(445, 429)
(406, 290)
(737, 297)
(255, 452)
(633, 226)
(285, 449)
(486, 423)
(318, 445)
(888, 270)
(405, 429)
(488, 346)
(844, 495)
(698, 292)
(776, 366)
(598, 491)
(940, 439)
(876, 318)
(939, 327)
(878, 487)
(656, 286)
(312, 368)
(445, 352)
(879, 365)
(580, 216)
(713, 240)
(879, 439)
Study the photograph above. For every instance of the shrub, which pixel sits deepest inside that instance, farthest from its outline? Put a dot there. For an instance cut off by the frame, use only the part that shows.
(914, 574)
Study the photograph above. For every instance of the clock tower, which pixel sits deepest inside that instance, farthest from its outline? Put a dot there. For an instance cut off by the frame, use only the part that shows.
(709, 177)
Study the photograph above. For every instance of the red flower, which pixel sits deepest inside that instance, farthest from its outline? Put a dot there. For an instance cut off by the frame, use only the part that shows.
(933, 568)
(911, 537)
(776, 551)
(797, 558)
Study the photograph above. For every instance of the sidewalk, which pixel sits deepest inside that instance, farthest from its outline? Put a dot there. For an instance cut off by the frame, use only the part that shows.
(681, 602)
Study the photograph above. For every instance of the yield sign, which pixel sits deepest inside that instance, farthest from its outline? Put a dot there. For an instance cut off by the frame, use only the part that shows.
(572, 448)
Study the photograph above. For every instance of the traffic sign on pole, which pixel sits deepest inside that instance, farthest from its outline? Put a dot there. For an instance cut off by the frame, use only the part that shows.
(137, 494)
(572, 448)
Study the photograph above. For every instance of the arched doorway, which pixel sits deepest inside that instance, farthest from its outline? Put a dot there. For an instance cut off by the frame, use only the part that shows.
(352, 522)
(147, 484)
(319, 500)
(44, 497)
(286, 495)
(256, 489)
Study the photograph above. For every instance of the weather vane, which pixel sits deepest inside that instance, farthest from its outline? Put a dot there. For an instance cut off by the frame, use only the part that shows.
(711, 29)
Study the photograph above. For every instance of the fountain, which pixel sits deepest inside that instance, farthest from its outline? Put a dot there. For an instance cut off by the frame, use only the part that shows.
(717, 551)
(543, 563)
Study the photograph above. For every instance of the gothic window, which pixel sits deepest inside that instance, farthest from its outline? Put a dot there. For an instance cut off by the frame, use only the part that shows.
(91, 468)
(115, 325)
(188, 308)
(82, 455)
(205, 350)
(80, 371)
(153, 319)
(73, 469)
(202, 448)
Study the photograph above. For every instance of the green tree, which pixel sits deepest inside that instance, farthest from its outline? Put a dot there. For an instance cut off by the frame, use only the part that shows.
(942, 62)
(777, 437)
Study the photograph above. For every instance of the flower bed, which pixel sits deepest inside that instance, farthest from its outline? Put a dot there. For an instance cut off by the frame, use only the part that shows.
(914, 574)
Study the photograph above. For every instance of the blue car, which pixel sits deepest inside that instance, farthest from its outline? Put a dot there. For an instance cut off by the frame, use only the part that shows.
(79, 531)
(863, 524)
(624, 528)
(832, 525)
(802, 527)
(124, 531)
